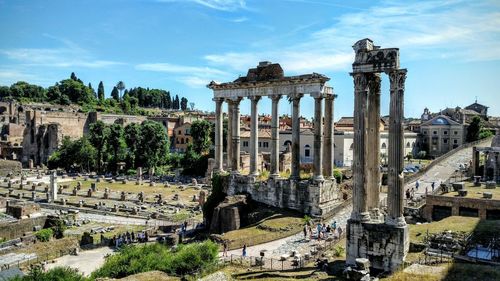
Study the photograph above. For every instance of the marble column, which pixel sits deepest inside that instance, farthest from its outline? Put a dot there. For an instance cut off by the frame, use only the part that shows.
(275, 151)
(229, 140)
(475, 161)
(219, 134)
(235, 150)
(485, 169)
(495, 171)
(360, 207)
(328, 147)
(373, 145)
(254, 135)
(396, 149)
(318, 137)
(295, 135)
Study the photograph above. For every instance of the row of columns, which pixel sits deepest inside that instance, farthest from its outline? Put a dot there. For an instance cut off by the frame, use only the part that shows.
(323, 152)
(366, 164)
(494, 160)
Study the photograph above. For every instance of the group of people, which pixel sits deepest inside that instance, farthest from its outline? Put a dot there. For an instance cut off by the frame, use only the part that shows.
(323, 231)
(410, 193)
(128, 238)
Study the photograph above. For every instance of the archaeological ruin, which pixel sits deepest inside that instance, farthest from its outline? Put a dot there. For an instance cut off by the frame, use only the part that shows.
(317, 196)
(381, 238)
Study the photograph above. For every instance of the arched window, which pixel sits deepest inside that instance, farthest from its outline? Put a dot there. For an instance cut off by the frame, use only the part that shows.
(182, 140)
(408, 144)
(307, 151)
(287, 143)
(351, 147)
(384, 146)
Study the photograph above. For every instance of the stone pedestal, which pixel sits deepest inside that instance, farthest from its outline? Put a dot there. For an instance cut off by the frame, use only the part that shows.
(384, 245)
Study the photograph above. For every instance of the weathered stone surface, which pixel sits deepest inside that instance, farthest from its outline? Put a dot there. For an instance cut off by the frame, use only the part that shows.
(226, 215)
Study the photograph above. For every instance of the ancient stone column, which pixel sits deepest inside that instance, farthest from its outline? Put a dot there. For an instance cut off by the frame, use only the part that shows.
(495, 171)
(396, 149)
(229, 145)
(318, 137)
(254, 135)
(236, 136)
(218, 134)
(295, 97)
(359, 193)
(486, 153)
(373, 145)
(475, 161)
(328, 150)
(275, 152)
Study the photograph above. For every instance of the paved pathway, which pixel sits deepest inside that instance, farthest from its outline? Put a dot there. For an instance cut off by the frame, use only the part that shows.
(292, 243)
(444, 170)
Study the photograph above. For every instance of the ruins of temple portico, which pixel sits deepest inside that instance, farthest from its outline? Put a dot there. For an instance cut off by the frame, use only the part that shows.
(275, 85)
(491, 166)
(382, 238)
(316, 197)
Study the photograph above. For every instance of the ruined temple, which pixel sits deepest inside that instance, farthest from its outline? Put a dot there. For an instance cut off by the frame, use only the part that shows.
(371, 233)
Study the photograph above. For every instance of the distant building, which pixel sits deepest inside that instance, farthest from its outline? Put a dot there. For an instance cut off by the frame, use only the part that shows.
(440, 135)
(182, 137)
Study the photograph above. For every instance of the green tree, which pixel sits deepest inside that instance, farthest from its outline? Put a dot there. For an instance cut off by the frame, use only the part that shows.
(201, 131)
(474, 129)
(116, 144)
(115, 94)
(100, 91)
(132, 136)
(98, 136)
(184, 103)
(153, 145)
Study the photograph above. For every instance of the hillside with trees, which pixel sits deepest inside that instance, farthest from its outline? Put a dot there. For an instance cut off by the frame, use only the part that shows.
(74, 91)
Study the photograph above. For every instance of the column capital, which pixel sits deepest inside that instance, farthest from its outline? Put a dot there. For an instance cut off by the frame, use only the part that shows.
(397, 79)
(331, 97)
(275, 97)
(360, 81)
(218, 99)
(295, 96)
(318, 95)
(234, 100)
(254, 98)
(374, 81)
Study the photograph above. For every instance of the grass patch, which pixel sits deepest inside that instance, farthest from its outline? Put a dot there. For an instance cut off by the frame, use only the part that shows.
(270, 229)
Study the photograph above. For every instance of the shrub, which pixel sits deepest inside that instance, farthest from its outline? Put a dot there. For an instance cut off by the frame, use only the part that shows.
(338, 251)
(44, 235)
(187, 259)
(54, 274)
(337, 174)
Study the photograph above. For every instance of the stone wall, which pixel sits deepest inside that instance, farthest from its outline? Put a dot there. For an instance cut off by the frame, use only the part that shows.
(455, 203)
(19, 228)
(318, 199)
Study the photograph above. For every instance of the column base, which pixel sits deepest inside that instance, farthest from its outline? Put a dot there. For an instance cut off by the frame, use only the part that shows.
(364, 216)
(274, 176)
(319, 178)
(397, 222)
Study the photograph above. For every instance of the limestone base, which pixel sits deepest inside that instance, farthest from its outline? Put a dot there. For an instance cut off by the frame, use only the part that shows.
(315, 198)
(384, 245)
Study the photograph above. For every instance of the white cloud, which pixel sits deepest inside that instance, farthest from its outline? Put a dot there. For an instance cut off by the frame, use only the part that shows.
(443, 29)
(222, 5)
(192, 76)
(69, 55)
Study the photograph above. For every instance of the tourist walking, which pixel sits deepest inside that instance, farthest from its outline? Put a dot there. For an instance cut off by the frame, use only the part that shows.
(245, 250)
(224, 254)
(417, 184)
(305, 231)
(433, 185)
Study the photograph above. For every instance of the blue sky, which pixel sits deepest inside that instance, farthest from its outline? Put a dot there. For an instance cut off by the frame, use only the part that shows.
(450, 48)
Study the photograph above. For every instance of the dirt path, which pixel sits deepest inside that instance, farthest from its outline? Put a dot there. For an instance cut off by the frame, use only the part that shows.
(86, 261)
